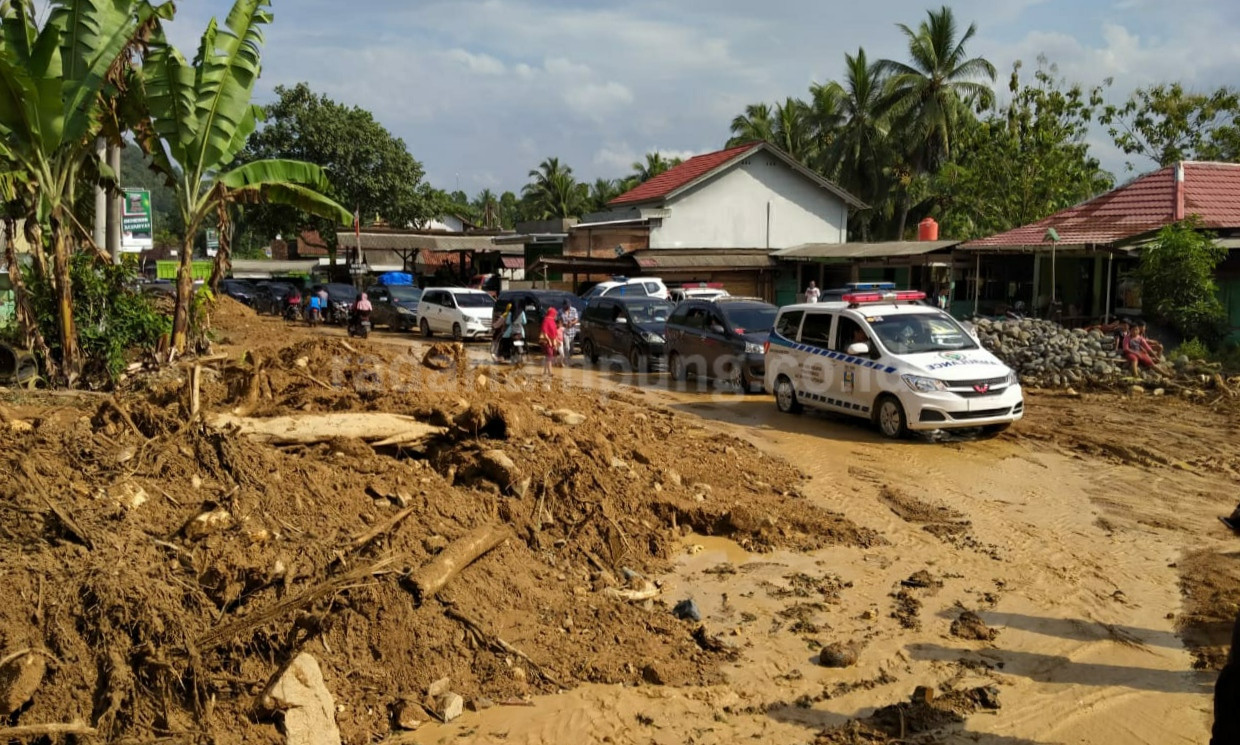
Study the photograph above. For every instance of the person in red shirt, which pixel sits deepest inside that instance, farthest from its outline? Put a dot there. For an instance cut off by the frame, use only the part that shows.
(550, 338)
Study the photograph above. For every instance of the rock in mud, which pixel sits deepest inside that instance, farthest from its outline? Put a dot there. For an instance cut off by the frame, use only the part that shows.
(838, 654)
(19, 679)
(921, 579)
(971, 626)
(434, 543)
(502, 470)
(407, 714)
(300, 695)
(207, 523)
(449, 706)
(566, 416)
(439, 687)
(923, 695)
(687, 610)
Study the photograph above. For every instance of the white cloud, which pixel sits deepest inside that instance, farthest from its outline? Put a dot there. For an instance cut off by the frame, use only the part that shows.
(481, 64)
(598, 101)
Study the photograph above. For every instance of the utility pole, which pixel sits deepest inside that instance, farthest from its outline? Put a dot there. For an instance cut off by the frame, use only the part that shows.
(114, 206)
(101, 198)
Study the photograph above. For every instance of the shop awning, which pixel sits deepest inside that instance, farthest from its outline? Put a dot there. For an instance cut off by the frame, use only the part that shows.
(706, 258)
(856, 250)
(585, 265)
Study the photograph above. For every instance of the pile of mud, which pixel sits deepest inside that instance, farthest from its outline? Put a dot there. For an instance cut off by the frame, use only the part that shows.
(164, 568)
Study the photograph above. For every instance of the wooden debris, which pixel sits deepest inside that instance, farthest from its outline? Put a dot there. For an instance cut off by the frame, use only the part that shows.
(365, 538)
(426, 582)
(30, 731)
(498, 644)
(315, 428)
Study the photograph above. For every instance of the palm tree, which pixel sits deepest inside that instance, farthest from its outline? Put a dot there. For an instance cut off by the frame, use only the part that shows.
(927, 96)
(792, 128)
(757, 124)
(52, 84)
(602, 191)
(824, 116)
(200, 117)
(487, 207)
(858, 153)
(654, 165)
(553, 192)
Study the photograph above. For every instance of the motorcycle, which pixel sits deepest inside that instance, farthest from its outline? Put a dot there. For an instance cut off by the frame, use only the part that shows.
(359, 325)
(292, 311)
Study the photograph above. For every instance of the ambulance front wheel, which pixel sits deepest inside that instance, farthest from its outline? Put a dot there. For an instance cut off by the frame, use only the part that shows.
(889, 416)
(786, 396)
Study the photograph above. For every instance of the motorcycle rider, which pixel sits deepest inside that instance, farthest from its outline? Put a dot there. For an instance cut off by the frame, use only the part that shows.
(515, 329)
(360, 311)
(292, 304)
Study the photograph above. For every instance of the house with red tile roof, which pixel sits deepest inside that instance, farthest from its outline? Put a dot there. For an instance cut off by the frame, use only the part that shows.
(1082, 257)
(717, 217)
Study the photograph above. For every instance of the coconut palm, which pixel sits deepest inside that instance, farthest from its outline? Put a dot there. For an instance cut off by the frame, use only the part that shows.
(553, 192)
(53, 81)
(857, 156)
(487, 208)
(792, 131)
(824, 116)
(200, 117)
(654, 165)
(757, 124)
(603, 190)
(927, 96)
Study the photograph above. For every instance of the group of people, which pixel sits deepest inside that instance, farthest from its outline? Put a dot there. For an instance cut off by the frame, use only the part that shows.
(1138, 350)
(557, 333)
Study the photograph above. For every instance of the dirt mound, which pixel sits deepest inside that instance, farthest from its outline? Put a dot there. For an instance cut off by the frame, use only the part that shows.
(925, 720)
(167, 569)
(1210, 583)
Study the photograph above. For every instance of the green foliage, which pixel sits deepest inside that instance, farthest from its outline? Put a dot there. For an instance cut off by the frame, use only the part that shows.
(1194, 349)
(652, 166)
(1023, 162)
(1177, 281)
(554, 193)
(371, 170)
(114, 323)
(1167, 124)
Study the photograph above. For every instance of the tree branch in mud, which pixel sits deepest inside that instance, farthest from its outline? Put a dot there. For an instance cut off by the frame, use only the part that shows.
(30, 731)
(498, 644)
(425, 583)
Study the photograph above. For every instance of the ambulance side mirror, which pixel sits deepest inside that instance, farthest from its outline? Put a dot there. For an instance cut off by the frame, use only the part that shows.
(859, 349)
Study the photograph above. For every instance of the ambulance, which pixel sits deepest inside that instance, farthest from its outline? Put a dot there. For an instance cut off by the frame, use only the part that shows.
(889, 357)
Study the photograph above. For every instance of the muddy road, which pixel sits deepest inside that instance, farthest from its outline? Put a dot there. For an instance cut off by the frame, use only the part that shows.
(1065, 535)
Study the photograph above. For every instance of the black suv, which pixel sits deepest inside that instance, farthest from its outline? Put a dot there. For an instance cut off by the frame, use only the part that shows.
(535, 304)
(394, 306)
(721, 339)
(631, 327)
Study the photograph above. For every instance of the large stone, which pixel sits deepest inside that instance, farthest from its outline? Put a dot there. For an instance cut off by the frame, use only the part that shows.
(19, 679)
(299, 694)
(838, 654)
(502, 470)
(566, 416)
(449, 706)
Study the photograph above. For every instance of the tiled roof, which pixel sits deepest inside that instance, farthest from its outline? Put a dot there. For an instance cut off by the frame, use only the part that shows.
(1211, 192)
(677, 176)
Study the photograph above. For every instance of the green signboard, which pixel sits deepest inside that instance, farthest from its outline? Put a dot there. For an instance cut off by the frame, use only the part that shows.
(137, 227)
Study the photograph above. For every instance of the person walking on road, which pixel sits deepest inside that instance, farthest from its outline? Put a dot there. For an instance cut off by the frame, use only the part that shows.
(1226, 729)
(572, 322)
(550, 339)
(812, 293)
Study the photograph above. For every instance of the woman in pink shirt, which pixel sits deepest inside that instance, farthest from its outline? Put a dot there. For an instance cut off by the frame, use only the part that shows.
(550, 339)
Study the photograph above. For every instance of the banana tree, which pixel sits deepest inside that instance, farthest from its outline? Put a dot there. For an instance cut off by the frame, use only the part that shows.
(53, 85)
(201, 115)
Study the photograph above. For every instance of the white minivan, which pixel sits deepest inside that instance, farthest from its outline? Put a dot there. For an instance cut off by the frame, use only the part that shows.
(461, 312)
(887, 357)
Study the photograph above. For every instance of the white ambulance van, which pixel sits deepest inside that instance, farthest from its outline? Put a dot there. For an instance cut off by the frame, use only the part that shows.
(888, 357)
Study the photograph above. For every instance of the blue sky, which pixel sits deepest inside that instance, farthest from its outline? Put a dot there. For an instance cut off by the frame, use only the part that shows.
(482, 90)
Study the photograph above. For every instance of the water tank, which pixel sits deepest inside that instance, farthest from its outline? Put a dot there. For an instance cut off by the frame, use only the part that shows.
(928, 230)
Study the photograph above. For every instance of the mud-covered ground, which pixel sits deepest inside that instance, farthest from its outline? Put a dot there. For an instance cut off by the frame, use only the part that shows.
(1042, 584)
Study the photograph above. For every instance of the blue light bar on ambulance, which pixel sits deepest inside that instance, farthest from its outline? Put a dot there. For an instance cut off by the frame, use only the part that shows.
(904, 296)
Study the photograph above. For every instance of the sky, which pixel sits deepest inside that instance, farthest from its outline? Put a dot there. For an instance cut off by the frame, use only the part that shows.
(482, 90)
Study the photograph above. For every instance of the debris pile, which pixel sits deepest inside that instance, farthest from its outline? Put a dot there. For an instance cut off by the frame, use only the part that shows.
(1048, 355)
(222, 575)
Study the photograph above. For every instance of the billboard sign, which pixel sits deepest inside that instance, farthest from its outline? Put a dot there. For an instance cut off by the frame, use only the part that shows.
(137, 225)
(213, 242)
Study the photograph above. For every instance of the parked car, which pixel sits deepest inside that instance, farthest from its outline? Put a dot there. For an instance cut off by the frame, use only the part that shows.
(340, 297)
(631, 327)
(697, 291)
(269, 297)
(459, 311)
(238, 289)
(395, 306)
(628, 287)
(889, 358)
(720, 339)
(535, 304)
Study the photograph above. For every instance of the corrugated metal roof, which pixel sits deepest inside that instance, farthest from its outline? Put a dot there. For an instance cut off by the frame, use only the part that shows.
(1211, 191)
(706, 258)
(888, 249)
(513, 262)
(424, 241)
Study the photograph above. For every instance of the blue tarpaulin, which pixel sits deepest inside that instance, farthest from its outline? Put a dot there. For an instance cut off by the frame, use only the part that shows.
(395, 278)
